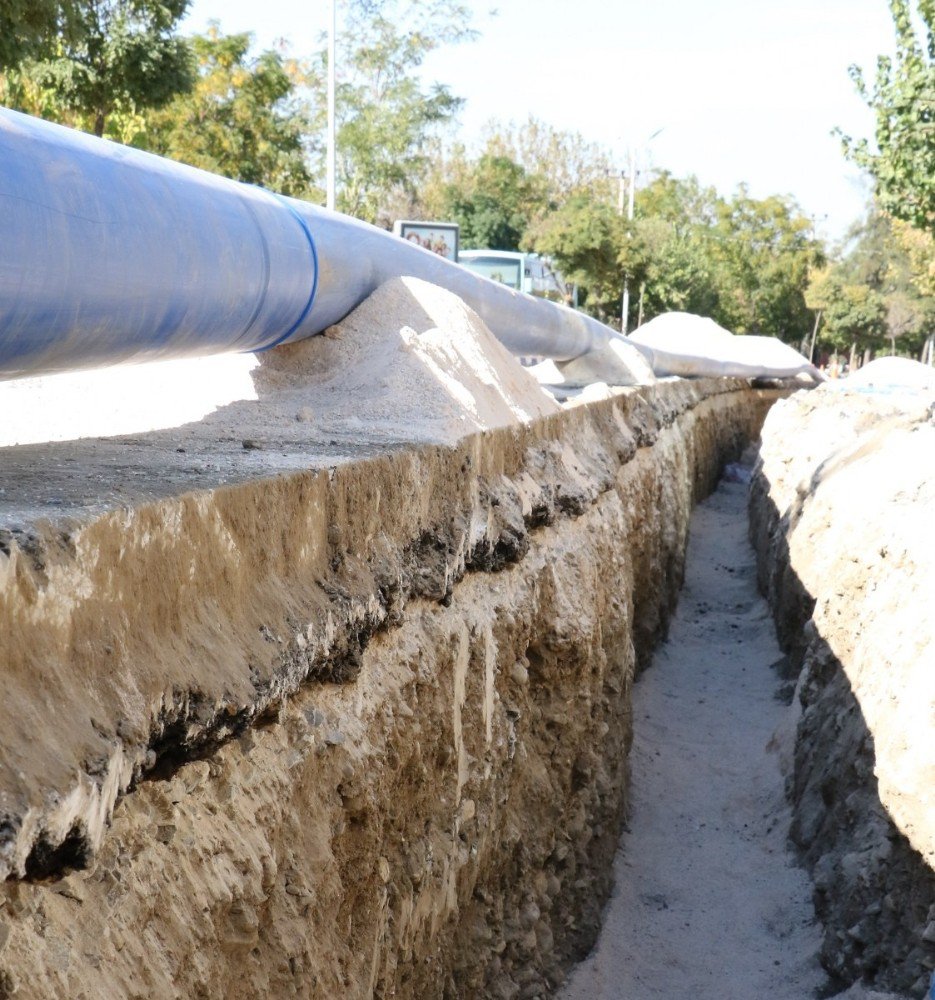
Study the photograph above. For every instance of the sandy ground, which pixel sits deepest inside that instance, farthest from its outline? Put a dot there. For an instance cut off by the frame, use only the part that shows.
(708, 901)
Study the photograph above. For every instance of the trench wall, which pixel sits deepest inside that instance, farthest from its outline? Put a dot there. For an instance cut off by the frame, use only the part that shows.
(841, 507)
(358, 730)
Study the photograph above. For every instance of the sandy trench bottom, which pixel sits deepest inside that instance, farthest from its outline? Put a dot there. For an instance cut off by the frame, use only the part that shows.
(709, 902)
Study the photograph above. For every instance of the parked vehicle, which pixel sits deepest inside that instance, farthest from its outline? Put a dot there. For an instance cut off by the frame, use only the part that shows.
(526, 272)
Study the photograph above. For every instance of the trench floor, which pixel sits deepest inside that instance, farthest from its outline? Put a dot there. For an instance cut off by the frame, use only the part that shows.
(709, 903)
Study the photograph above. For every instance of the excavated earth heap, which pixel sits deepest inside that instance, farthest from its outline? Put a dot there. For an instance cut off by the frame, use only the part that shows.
(842, 509)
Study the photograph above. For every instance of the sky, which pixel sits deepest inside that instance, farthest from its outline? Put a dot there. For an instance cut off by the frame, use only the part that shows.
(744, 91)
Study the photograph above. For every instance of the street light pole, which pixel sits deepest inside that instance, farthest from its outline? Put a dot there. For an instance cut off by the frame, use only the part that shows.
(331, 151)
(631, 170)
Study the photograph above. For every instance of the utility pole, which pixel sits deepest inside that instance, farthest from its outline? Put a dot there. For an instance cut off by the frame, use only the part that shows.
(332, 150)
(631, 195)
(811, 346)
(631, 179)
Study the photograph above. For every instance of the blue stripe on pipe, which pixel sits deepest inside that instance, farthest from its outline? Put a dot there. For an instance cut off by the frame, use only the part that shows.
(311, 298)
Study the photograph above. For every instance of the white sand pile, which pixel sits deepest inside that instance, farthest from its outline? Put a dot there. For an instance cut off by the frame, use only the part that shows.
(546, 373)
(687, 345)
(891, 374)
(681, 331)
(414, 362)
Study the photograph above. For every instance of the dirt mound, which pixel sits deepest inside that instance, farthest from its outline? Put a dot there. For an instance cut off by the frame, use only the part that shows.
(842, 510)
(893, 374)
(414, 360)
(688, 345)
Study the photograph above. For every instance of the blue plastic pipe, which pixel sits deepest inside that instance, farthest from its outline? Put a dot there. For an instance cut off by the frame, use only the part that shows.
(109, 254)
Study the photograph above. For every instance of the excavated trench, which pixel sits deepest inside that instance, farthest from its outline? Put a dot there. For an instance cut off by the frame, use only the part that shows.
(356, 722)
(708, 902)
(353, 732)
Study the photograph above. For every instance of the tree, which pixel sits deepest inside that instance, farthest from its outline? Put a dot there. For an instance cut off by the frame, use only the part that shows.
(243, 117)
(494, 203)
(31, 28)
(673, 227)
(903, 100)
(586, 240)
(744, 262)
(100, 57)
(678, 271)
(870, 295)
(565, 162)
(854, 315)
(386, 115)
(919, 248)
(762, 251)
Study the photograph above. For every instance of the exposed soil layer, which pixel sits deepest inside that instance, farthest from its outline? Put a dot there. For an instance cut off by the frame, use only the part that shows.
(355, 730)
(841, 518)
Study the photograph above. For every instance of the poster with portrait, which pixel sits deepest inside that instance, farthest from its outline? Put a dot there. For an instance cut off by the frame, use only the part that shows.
(439, 237)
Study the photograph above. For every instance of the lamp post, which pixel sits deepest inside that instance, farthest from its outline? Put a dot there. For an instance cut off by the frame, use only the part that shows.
(813, 232)
(331, 151)
(631, 179)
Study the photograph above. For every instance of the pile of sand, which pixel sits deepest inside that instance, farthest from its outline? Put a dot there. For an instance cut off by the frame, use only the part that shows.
(414, 360)
(891, 374)
(842, 517)
(688, 345)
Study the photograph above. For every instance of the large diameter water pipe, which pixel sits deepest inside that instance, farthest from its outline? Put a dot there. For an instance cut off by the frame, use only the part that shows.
(109, 254)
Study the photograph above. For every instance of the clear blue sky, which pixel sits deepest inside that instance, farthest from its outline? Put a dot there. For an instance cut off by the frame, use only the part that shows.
(744, 90)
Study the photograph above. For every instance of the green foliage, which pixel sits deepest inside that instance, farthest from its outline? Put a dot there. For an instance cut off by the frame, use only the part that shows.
(903, 100)
(386, 115)
(586, 240)
(853, 315)
(105, 57)
(744, 262)
(763, 252)
(672, 231)
(872, 294)
(918, 248)
(522, 173)
(550, 191)
(565, 163)
(494, 203)
(25, 25)
(242, 119)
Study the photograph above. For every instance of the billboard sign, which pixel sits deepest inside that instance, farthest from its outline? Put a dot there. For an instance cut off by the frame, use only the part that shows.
(439, 237)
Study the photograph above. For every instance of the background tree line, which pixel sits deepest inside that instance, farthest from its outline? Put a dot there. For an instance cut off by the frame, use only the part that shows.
(121, 69)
